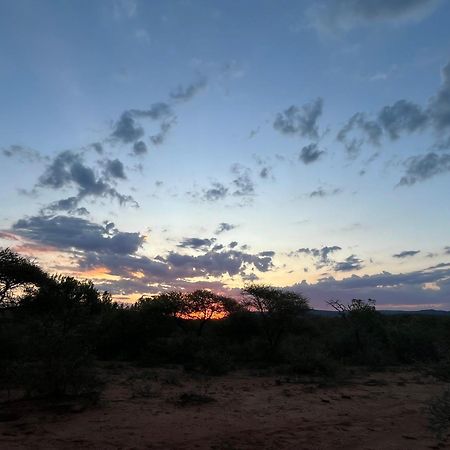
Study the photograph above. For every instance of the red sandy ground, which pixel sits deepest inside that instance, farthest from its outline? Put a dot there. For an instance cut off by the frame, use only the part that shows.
(140, 409)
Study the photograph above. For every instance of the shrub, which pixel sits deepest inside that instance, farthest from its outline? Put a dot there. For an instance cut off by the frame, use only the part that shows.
(305, 357)
(441, 370)
(213, 362)
(57, 360)
(414, 339)
(439, 415)
(58, 324)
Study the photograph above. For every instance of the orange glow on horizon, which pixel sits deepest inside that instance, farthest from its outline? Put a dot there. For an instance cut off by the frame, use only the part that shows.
(97, 273)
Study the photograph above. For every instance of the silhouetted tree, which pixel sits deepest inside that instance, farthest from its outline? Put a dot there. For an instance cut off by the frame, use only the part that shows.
(66, 295)
(203, 305)
(356, 308)
(364, 323)
(278, 309)
(17, 275)
(166, 304)
(199, 306)
(61, 319)
(165, 308)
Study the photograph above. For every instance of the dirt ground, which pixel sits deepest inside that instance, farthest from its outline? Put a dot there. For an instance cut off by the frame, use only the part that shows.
(168, 409)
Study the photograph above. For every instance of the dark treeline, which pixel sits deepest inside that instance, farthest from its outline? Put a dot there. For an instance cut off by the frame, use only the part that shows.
(55, 329)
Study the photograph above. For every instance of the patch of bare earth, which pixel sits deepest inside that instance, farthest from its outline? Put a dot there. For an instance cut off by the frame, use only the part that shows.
(168, 409)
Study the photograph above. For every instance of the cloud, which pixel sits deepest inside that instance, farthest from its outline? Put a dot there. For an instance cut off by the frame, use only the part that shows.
(301, 121)
(184, 93)
(439, 108)
(73, 233)
(23, 154)
(366, 131)
(85, 178)
(126, 130)
(224, 226)
(310, 153)
(321, 255)
(160, 137)
(176, 267)
(402, 116)
(323, 258)
(342, 15)
(423, 167)
(388, 289)
(139, 148)
(70, 205)
(216, 192)
(243, 184)
(157, 111)
(57, 174)
(320, 192)
(270, 253)
(442, 144)
(231, 262)
(263, 166)
(265, 172)
(196, 243)
(350, 263)
(406, 253)
(250, 278)
(98, 147)
(115, 169)
(254, 132)
(149, 285)
(67, 169)
(127, 265)
(103, 246)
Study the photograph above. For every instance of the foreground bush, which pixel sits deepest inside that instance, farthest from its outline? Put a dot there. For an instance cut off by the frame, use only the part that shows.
(52, 350)
(439, 415)
(306, 357)
(57, 359)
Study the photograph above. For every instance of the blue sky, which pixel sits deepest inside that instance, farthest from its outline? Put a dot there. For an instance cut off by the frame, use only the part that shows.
(155, 145)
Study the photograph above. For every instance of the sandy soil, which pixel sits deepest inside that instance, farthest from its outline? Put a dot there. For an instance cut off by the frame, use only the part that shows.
(163, 409)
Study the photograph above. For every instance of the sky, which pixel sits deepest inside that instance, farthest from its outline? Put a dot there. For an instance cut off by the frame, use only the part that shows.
(159, 145)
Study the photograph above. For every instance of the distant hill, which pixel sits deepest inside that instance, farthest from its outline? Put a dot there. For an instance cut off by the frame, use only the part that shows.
(388, 312)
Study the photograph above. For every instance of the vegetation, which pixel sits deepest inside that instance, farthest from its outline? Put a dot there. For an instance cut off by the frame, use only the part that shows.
(439, 415)
(55, 329)
(17, 273)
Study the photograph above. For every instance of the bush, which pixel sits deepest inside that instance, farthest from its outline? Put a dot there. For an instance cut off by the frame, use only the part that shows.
(441, 370)
(305, 357)
(439, 415)
(213, 362)
(56, 357)
(57, 361)
(413, 339)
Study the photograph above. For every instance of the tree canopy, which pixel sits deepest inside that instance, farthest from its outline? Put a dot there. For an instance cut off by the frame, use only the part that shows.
(17, 274)
(278, 308)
